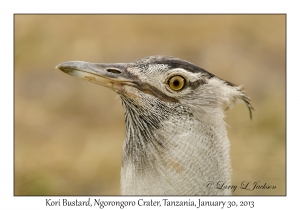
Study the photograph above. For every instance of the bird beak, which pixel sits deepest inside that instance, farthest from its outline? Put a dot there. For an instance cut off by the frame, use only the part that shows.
(113, 76)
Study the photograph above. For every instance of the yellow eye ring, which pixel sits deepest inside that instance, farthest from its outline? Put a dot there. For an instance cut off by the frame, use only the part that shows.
(176, 82)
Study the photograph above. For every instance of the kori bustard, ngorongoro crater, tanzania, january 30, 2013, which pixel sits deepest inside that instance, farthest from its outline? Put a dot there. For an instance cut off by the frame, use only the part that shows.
(176, 139)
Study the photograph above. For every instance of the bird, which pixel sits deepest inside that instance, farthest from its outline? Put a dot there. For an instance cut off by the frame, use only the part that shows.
(175, 135)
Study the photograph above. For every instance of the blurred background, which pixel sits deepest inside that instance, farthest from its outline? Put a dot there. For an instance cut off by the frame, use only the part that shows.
(69, 133)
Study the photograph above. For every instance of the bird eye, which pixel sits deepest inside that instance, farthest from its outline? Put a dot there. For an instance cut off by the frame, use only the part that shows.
(176, 82)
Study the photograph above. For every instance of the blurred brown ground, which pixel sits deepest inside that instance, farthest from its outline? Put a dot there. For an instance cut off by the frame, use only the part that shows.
(69, 133)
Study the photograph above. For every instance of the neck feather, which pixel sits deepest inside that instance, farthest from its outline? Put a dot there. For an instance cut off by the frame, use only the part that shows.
(173, 153)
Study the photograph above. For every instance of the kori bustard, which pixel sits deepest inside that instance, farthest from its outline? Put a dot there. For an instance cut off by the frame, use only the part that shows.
(176, 140)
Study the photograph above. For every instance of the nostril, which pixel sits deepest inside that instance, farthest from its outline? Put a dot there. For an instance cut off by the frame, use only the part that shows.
(115, 71)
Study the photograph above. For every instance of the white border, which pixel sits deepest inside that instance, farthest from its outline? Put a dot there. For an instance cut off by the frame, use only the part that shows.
(8, 201)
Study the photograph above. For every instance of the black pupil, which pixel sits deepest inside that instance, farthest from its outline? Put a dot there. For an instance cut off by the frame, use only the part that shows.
(176, 83)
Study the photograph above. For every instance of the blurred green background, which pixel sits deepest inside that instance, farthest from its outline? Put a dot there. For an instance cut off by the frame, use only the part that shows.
(69, 133)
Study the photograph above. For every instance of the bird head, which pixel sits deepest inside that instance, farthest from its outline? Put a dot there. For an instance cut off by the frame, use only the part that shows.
(163, 80)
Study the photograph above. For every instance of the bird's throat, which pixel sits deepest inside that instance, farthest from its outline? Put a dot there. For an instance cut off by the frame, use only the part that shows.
(175, 154)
